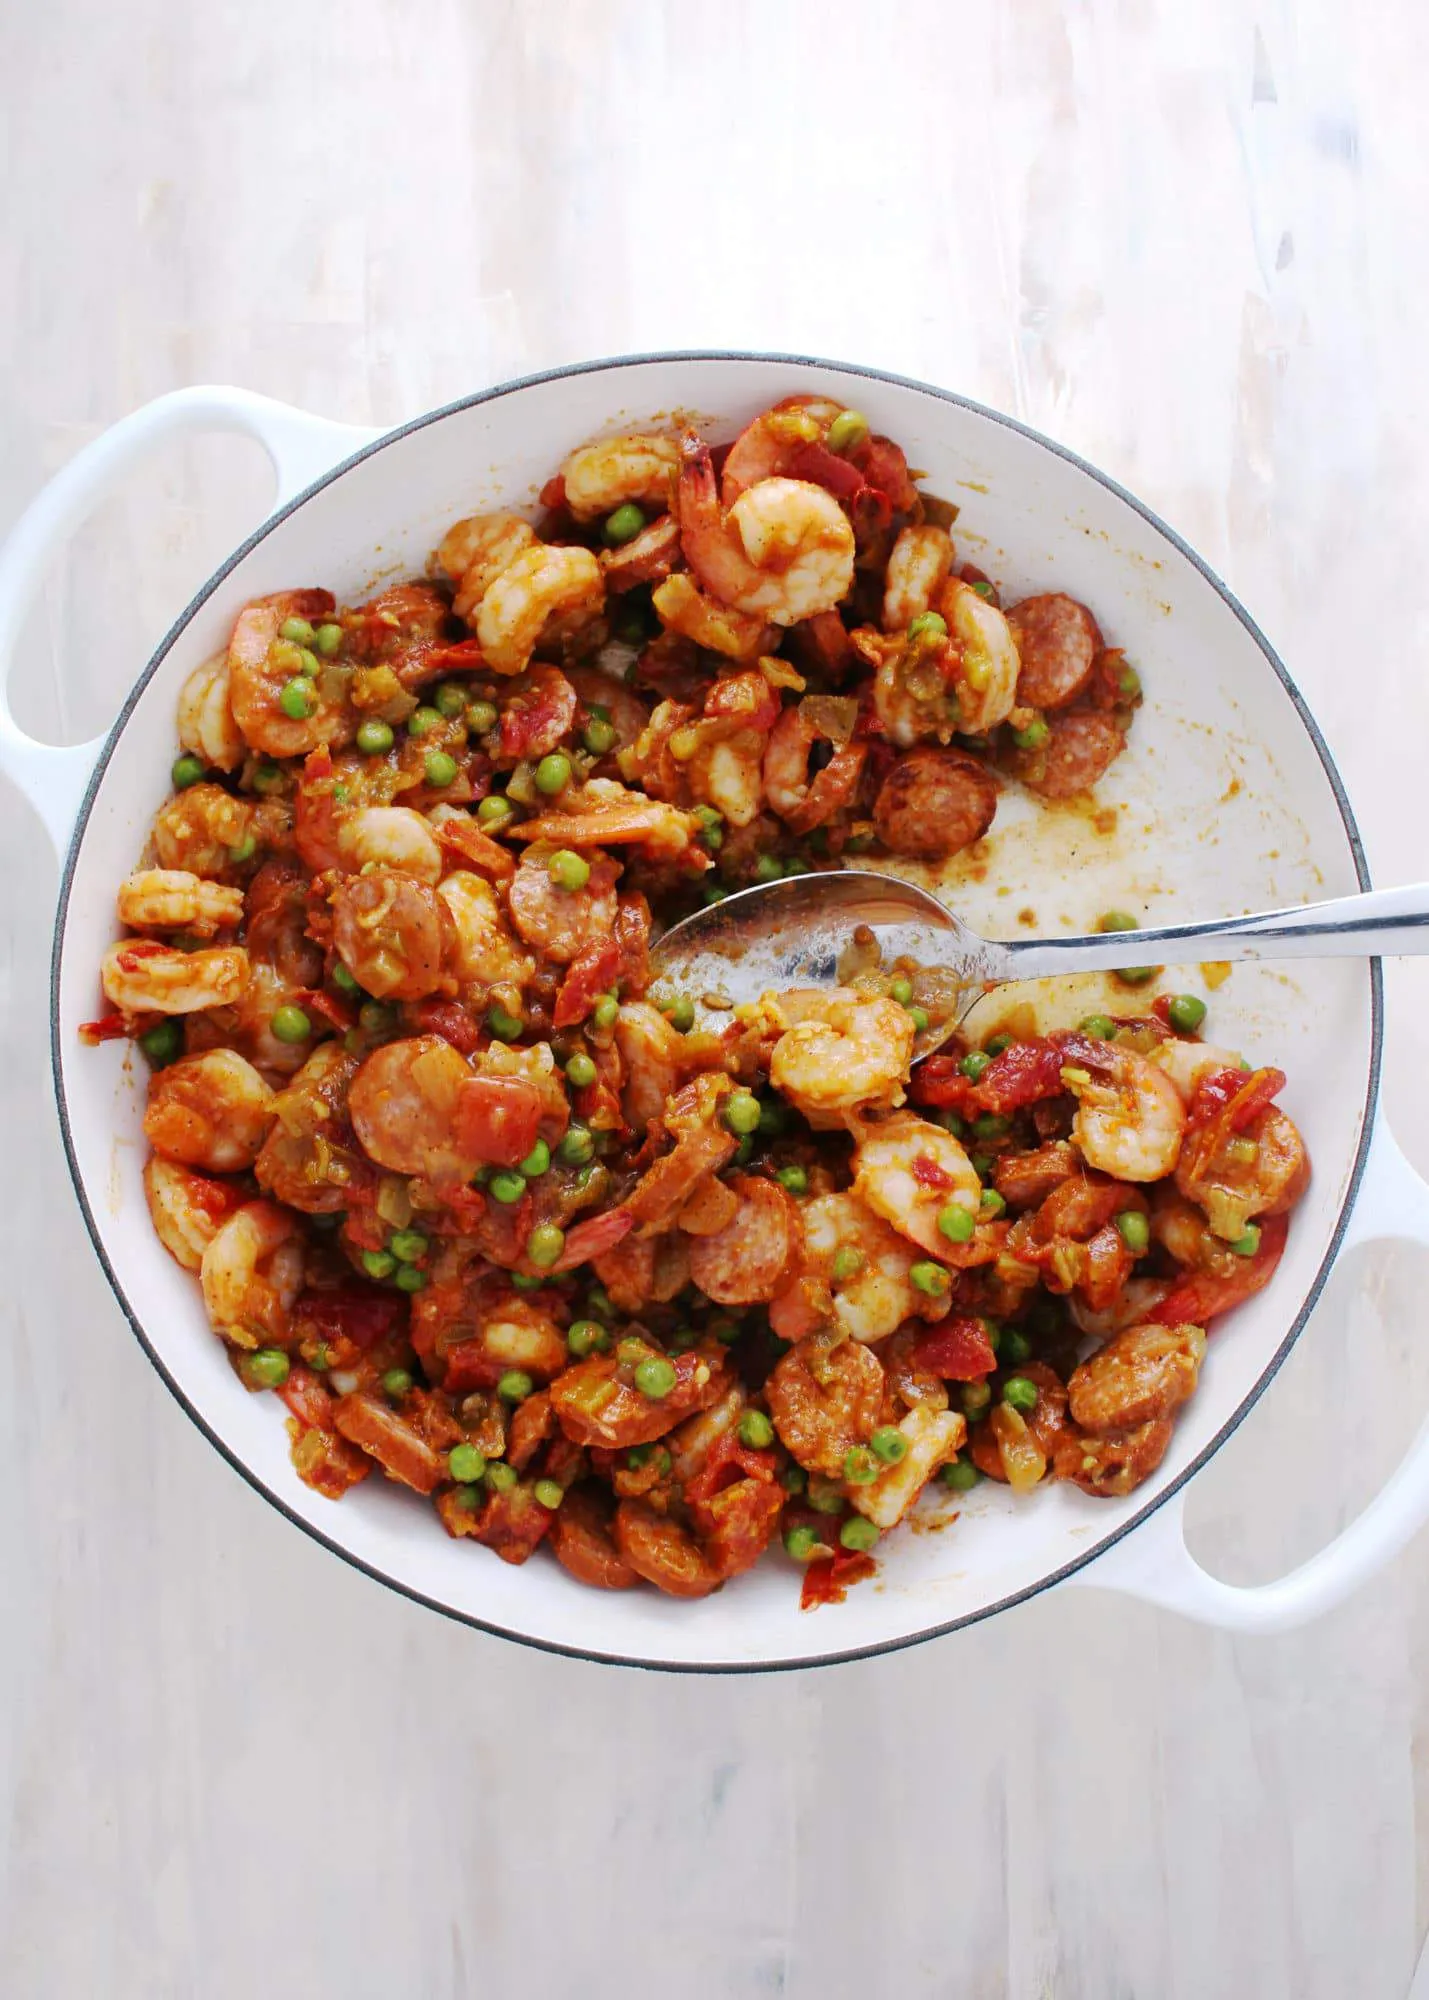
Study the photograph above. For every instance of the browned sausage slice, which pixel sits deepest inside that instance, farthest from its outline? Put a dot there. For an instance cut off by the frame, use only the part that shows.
(1058, 642)
(663, 1552)
(749, 1259)
(580, 1535)
(1082, 748)
(934, 802)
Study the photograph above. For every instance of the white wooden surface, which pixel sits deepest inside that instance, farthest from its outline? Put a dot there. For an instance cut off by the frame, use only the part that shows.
(1188, 241)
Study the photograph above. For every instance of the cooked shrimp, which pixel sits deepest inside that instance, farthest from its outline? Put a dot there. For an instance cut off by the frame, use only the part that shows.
(201, 829)
(750, 1259)
(403, 1106)
(804, 801)
(1261, 1170)
(481, 951)
(651, 1051)
(644, 1270)
(839, 1050)
(920, 560)
(142, 977)
(205, 716)
(1186, 1062)
(260, 667)
(770, 445)
(824, 1402)
(909, 1171)
(913, 693)
(211, 1111)
(931, 1437)
(390, 933)
(682, 607)
(171, 899)
(663, 1552)
(252, 1272)
(475, 551)
(869, 1301)
(1130, 1119)
(1137, 1297)
(783, 552)
(603, 813)
(558, 922)
(601, 477)
(187, 1211)
(543, 593)
(393, 837)
(985, 662)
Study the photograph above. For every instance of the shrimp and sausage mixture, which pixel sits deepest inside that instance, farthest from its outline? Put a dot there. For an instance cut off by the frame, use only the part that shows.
(480, 1203)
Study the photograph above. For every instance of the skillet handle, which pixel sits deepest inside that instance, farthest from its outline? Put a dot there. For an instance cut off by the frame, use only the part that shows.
(1154, 1562)
(299, 446)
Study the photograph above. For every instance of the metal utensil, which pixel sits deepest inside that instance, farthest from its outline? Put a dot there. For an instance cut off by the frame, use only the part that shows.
(809, 930)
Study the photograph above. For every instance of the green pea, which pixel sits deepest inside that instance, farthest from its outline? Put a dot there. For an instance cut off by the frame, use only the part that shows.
(1117, 920)
(549, 1493)
(1185, 1012)
(598, 736)
(440, 769)
(991, 1205)
(1101, 1026)
(741, 1112)
(408, 1246)
(186, 771)
(527, 1281)
(480, 717)
(553, 773)
(422, 721)
(961, 1474)
(928, 625)
(327, 639)
(800, 1542)
(568, 870)
(682, 1340)
(1033, 737)
(773, 1118)
(725, 1331)
(793, 1179)
(468, 1498)
(378, 1264)
(245, 850)
(267, 1369)
(985, 589)
(163, 1043)
(957, 1223)
(506, 1186)
(449, 700)
(298, 630)
(268, 778)
(755, 1430)
(606, 1011)
(889, 1444)
(930, 1279)
(950, 1122)
(767, 869)
(655, 1378)
(793, 1479)
(545, 1244)
(848, 1261)
(597, 1301)
(291, 1024)
(744, 1151)
(580, 1070)
(1016, 1347)
(500, 1477)
(1019, 1393)
(623, 525)
(993, 1329)
(466, 1464)
(376, 1017)
(308, 662)
(342, 979)
(825, 1495)
(847, 432)
(990, 1127)
(858, 1534)
(396, 1383)
(973, 1064)
(680, 1013)
(995, 1044)
(1129, 682)
(577, 1146)
(505, 1027)
(1134, 1231)
(919, 1017)
(374, 739)
(860, 1467)
(536, 1161)
(1136, 975)
(981, 1164)
(515, 1386)
(298, 699)
(976, 1398)
(713, 892)
(1247, 1245)
(584, 1336)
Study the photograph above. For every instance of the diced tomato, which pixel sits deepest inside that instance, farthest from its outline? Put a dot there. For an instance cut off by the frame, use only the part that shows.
(929, 1174)
(108, 1028)
(822, 467)
(957, 1348)
(594, 1236)
(215, 1199)
(746, 698)
(464, 657)
(553, 493)
(598, 1105)
(535, 718)
(465, 839)
(134, 955)
(469, 1366)
(1203, 1295)
(327, 1007)
(632, 934)
(1226, 1102)
(449, 1020)
(1023, 1074)
(365, 1318)
(496, 1119)
(592, 972)
(940, 1084)
(309, 1399)
(467, 1206)
(827, 1579)
(726, 1461)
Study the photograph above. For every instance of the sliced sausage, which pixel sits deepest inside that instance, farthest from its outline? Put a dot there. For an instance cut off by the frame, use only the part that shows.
(582, 1540)
(1081, 749)
(661, 1551)
(934, 802)
(1026, 1179)
(367, 1421)
(1140, 1376)
(748, 1260)
(1058, 642)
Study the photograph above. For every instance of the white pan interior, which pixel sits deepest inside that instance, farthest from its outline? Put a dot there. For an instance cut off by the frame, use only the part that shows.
(1221, 804)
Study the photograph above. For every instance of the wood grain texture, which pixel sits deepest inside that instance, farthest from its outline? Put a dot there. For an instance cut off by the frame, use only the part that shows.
(1184, 240)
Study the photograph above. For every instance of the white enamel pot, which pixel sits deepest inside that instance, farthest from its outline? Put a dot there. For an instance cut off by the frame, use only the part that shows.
(1184, 842)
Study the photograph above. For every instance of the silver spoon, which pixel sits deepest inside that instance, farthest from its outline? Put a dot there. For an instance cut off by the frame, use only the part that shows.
(801, 932)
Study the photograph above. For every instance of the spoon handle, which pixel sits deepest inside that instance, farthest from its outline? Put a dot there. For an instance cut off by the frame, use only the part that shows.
(1381, 923)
